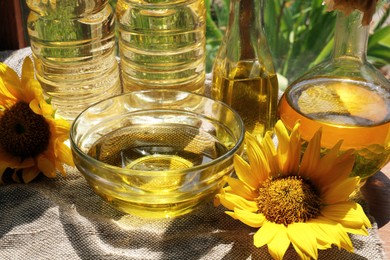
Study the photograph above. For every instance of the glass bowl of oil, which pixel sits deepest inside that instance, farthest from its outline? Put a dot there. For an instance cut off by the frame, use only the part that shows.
(156, 153)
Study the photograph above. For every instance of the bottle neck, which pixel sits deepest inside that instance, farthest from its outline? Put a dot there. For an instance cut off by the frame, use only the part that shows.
(245, 26)
(350, 36)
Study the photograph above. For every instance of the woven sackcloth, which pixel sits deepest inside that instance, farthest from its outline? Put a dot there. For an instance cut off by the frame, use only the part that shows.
(63, 218)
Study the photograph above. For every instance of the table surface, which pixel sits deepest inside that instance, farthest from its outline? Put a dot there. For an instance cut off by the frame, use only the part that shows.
(377, 193)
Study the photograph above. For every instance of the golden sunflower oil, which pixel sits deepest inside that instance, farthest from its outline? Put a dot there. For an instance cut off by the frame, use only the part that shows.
(163, 148)
(254, 98)
(351, 110)
(162, 44)
(160, 150)
(243, 72)
(73, 45)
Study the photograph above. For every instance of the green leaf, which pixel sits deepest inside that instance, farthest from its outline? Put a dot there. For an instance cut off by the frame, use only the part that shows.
(381, 52)
(381, 35)
(325, 53)
(212, 30)
(299, 34)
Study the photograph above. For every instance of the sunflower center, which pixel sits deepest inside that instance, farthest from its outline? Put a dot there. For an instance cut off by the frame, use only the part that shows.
(288, 200)
(22, 132)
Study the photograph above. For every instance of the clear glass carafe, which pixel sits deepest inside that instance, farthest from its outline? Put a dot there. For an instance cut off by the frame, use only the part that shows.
(243, 71)
(347, 97)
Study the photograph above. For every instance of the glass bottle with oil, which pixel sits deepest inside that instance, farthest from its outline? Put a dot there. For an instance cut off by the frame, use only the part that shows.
(346, 97)
(243, 71)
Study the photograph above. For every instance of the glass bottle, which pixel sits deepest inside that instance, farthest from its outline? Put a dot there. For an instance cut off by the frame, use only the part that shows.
(346, 97)
(73, 45)
(162, 44)
(243, 71)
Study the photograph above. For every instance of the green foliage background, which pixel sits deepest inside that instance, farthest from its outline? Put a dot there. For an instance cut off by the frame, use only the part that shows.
(299, 33)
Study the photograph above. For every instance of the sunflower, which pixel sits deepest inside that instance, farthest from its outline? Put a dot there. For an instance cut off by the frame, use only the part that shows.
(31, 136)
(348, 6)
(293, 199)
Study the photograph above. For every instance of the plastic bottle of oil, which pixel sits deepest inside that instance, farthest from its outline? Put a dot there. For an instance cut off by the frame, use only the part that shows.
(243, 71)
(345, 96)
(73, 45)
(162, 44)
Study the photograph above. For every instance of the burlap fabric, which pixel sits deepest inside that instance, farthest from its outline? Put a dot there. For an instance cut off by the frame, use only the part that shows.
(63, 219)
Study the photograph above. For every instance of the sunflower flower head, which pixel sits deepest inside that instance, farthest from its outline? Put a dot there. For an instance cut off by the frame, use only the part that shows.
(294, 199)
(348, 6)
(31, 135)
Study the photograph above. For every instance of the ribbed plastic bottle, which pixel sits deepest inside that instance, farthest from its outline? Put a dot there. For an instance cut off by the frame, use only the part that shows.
(162, 44)
(73, 45)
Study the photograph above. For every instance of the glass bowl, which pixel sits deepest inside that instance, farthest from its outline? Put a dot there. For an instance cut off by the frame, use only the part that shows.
(156, 153)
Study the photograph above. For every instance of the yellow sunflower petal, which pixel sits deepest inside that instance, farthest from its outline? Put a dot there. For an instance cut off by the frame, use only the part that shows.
(338, 236)
(47, 109)
(289, 148)
(329, 232)
(29, 174)
(302, 254)
(294, 152)
(347, 213)
(361, 231)
(34, 106)
(6, 101)
(267, 147)
(257, 159)
(231, 214)
(46, 166)
(278, 246)
(35, 88)
(283, 141)
(64, 154)
(241, 189)
(266, 233)
(338, 170)
(311, 157)
(343, 167)
(10, 82)
(303, 238)
(325, 231)
(250, 218)
(322, 245)
(60, 168)
(244, 172)
(231, 201)
(345, 241)
(27, 70)
(32, 90)
(341, 191)
(34, 96)
(216, 200)
(359, 210)
(61, 128)
(270, 153)
(325, 166)
(283, 137)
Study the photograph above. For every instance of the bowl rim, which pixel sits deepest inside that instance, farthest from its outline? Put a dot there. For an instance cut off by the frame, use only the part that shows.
(125, 171)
